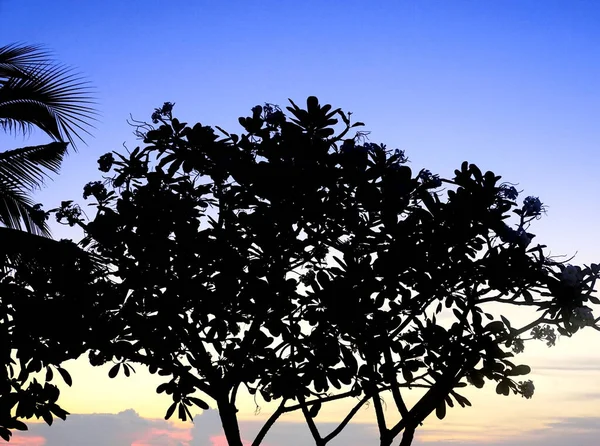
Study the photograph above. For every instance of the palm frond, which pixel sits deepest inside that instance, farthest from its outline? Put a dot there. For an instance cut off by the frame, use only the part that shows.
(53, 99)
(28, 167)
(17, 58)
(18, 247)
(17, 211)
(37, 92)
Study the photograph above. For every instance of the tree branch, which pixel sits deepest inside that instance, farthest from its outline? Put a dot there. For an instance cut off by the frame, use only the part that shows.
(395, 388)
(383, 430)
(346, 420)
(408, 436)
(263, 431)
(311, 423)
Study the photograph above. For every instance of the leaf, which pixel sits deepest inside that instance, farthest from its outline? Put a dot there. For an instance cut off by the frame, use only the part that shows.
(313, 411)
(408, 375)
(198, 402)
(502, 388)
(323, 278)
(58, 411)
(477, 379)
(461, 400)
(506, 321)
(114, 371)
(495, 327)
(65, 376)
(187, 411)
(520, 370)
(170, 411)
(5, 434)
(47, 416)
(19, 425)
(440, 410)
(312, 103)
(476, 173)
(335, 382)
(49, 374)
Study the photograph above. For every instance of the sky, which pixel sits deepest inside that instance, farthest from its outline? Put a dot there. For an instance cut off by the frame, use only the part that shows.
(511, 85)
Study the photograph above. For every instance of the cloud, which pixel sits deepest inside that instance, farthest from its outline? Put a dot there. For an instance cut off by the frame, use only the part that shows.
(580, 431)
(127, 428)
(577, 365)
(25, 439)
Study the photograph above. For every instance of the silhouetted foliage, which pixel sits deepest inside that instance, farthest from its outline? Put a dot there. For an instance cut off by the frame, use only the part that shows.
(37, 301)
(47, 311)
(308, 265)
(36, 92)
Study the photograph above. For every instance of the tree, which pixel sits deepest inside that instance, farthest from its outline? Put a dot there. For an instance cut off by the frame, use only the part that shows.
(308, 265)
(36, 92)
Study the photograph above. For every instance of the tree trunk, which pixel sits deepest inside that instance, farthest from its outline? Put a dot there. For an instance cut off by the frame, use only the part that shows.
(227, 413)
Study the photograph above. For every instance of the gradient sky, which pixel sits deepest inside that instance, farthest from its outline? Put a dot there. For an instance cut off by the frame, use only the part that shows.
(512, 85)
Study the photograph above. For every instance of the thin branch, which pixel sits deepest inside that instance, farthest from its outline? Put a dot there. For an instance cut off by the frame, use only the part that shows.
(234, 393)
(263, 431)
(311, 423)
(395, 389)
(322, 400)
(383, 430)
(533, 324)
(346, 420)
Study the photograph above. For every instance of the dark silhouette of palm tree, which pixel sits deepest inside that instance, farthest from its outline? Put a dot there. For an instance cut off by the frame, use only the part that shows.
(37, 92)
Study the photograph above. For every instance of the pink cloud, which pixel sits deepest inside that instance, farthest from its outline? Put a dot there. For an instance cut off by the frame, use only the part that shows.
(19, 439)
(221, 440)
(167, 437)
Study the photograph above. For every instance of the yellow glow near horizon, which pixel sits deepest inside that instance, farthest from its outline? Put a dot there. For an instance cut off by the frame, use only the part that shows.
(561, 388)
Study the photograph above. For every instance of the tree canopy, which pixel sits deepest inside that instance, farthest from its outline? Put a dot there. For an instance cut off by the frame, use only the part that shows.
(302, 263)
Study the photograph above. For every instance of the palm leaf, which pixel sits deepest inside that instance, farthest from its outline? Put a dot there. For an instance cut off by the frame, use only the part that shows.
(52, 98)
(28, 167)
(15, 59)
(17, 211)
(35, 91)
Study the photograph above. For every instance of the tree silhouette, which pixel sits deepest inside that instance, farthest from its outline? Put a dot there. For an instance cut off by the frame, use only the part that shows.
(36, 92)
(309, 265)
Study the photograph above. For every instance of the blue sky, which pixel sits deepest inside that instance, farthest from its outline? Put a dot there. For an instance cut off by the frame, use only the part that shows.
(512, 85)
